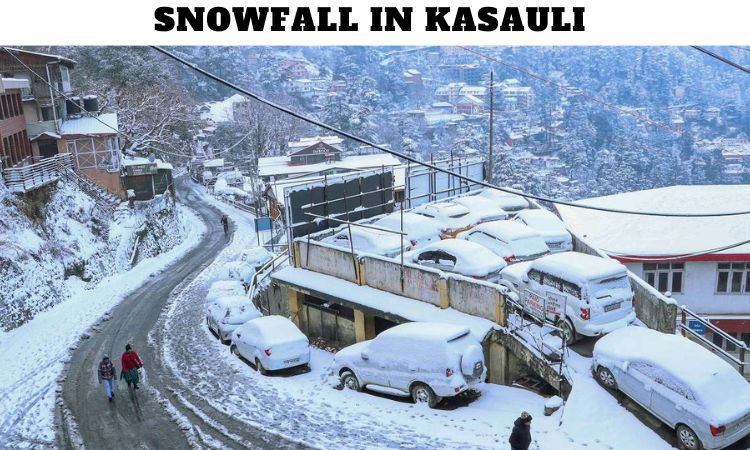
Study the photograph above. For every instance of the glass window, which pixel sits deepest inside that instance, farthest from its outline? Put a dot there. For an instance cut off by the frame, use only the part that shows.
(737, 281)
(535, 275)
(721, 285)
(733, 278)
(665, 276)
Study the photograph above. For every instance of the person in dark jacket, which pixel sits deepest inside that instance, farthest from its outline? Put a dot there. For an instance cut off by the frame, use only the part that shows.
(130, 365)
(520, 437)
(107, 375)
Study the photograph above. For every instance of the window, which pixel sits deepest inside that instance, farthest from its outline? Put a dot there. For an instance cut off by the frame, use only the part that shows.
(733, 278)
(65, 79)
(665, 276)
(571, 289)
(536, 276)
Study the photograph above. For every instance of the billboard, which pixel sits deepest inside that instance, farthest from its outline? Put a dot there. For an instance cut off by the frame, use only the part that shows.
(349, 197)
(423, 185)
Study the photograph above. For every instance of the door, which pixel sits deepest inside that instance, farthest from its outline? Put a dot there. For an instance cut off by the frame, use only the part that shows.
(635, 381)
(47, 148)
(670, 398)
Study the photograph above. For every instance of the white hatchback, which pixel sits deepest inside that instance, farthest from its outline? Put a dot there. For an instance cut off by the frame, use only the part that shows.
(426, 361)
(271, 343)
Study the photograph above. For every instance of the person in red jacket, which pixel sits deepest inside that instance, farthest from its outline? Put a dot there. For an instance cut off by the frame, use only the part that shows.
(130, 365)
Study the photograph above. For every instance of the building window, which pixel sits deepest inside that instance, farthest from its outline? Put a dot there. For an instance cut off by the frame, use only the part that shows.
(665, 276)
(65, 79)
(733, 278)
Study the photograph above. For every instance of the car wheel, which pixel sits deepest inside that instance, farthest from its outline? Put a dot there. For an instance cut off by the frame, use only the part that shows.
(259, 367)
(423, 394)
(234, 351)
(349, 381)
(224, 341)
(687, 439)
(568, 332)
(605, 377)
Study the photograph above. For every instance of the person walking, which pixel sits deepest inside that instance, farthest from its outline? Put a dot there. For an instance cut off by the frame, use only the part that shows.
(107, 375)
(520, 437)
(225, 224)
(130, 365)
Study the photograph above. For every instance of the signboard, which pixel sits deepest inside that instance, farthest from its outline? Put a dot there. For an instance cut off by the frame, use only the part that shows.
(538, 305)
(140, 169)
(697, 326)
(263, 224)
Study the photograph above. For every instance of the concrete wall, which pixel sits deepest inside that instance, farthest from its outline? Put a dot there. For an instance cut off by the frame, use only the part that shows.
(651, 307)
(330, 261)
(339, 331)
(419, 284)
(110, 181)
(472, 298)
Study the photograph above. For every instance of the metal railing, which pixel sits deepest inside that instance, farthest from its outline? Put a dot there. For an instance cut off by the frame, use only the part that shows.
(739, 360)
(33, 175)
(264, 272)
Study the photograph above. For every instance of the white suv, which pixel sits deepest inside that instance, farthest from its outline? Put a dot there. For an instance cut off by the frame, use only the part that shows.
(427, 361)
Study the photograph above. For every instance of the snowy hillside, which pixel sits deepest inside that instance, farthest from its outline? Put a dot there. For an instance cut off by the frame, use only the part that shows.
(56, 241)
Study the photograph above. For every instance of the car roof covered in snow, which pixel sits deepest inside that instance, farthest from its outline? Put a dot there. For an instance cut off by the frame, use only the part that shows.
(542, 220)
(276, 329)
(449, 208)
(507, 230)
(427, 331)
(472, 259)
(579, 267)
(505, 199)
(414, 224)
(480, 205)
(232, 300)
(714, 383)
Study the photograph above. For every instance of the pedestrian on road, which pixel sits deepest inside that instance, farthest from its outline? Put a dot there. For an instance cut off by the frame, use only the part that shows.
(225, 223)
(520, 437)
(130, 365)
(107, 376)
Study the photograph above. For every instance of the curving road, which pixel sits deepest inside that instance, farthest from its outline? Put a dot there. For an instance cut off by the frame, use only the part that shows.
(143, 420)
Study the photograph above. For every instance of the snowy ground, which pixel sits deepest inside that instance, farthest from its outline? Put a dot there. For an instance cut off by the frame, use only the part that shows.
(34, 354)
(306, 408)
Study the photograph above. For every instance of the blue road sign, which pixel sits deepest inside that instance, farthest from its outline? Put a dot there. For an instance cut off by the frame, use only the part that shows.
(263, 224)
(698, 327)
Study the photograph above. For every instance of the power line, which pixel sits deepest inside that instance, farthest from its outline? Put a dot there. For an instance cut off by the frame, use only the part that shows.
(459, 176)
(721, 58)
(620, 255)
(86, 113)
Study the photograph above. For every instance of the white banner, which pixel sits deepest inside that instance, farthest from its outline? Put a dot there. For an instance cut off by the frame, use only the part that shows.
(632, 22)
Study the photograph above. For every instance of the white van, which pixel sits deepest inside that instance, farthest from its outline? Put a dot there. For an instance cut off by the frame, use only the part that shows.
(589, 295)
(426, 361)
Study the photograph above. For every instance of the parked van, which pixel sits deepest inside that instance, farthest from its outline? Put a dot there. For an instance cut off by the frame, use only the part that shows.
(588, 295)
(426, 361)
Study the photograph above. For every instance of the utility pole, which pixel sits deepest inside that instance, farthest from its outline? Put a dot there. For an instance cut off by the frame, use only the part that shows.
(490, 161)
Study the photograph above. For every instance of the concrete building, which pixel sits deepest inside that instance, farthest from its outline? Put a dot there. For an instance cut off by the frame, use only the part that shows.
(14, 139)
(685, 257)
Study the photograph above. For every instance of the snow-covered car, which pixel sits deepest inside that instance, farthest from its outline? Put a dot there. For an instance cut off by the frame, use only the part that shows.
(587, 295)
(506, 200)
(427, 361)
(225, 288)
(696, 393)
(551, 228)
(256, 257)
(461, 257)
(419, 229)
(370, 240)
(482, 208)
(235, 270)
(225, 314)
(451, 217)
(508, 239)
(271, 343)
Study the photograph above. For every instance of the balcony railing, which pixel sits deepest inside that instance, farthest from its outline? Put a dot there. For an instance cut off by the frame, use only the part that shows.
(36, 173)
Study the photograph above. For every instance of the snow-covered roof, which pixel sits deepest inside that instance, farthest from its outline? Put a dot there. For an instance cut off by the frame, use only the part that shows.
(222, 111)
(212, 163)
(308, 141)
(714, 383)
(579, 267)
(66, 61)
(278, 165)
(101, 124)
(13, 83)
(658, 236)
(405, 307)
(138, 161)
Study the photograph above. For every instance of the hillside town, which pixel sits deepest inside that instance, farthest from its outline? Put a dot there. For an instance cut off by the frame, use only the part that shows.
(439, 247)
